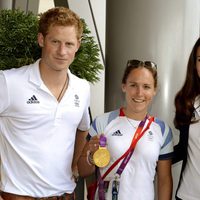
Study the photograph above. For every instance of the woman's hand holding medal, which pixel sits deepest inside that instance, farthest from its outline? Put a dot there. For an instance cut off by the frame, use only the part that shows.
(93, 144)
(98, 152)
(101, 156)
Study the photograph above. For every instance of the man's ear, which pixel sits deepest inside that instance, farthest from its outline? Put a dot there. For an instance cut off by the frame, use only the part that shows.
(40, 39)
(78, 45)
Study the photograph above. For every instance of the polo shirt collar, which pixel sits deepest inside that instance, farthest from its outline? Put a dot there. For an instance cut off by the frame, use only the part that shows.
(35, 76)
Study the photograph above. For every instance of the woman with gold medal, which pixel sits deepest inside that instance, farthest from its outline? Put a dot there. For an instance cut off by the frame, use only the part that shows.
(128, 146)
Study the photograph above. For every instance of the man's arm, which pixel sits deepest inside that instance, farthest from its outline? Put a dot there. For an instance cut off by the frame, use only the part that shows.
(80, 142)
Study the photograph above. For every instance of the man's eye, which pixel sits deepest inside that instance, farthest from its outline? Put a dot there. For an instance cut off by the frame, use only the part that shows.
(147, 87)
(69, 44)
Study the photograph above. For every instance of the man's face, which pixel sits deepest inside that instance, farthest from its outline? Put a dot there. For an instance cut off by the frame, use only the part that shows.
(59, 47)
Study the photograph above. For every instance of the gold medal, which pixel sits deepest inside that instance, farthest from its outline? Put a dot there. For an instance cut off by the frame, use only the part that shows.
(102, 156)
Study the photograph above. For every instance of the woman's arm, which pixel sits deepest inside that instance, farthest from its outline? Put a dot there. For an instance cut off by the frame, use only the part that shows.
(164, 180)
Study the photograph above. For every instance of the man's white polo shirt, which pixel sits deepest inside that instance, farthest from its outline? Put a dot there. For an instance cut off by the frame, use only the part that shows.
(37, 133)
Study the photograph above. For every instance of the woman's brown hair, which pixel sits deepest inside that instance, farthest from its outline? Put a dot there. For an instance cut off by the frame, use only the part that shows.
(185, 97)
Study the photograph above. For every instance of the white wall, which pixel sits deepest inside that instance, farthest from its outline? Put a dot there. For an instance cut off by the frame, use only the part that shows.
(44, 5)
(5, 4)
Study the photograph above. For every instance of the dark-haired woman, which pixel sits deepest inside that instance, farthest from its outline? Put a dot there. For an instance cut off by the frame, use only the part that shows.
(187, 120)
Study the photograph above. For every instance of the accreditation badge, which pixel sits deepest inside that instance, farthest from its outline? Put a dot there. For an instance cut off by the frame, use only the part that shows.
(102, 156)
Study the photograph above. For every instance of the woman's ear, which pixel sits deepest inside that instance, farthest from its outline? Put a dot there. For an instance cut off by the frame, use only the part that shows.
(155, 92)
(123, 87)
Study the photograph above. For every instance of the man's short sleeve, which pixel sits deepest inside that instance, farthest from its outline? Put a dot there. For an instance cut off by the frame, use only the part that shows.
(3, 93)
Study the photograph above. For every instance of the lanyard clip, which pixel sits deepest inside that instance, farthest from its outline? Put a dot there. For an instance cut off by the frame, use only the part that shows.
(117, 176)
(115, 187)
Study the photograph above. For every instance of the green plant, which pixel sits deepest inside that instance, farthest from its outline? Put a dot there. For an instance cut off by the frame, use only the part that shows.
(18, 45)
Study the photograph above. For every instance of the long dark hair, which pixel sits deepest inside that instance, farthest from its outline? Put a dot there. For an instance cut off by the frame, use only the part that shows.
(185, 97)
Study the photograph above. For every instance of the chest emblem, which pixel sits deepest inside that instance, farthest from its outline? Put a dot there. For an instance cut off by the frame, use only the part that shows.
(150, 135)
(76, 100)
(33, 100)
(117, 133)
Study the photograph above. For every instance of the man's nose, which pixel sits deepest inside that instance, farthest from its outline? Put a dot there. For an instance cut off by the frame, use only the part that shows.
(62, 49)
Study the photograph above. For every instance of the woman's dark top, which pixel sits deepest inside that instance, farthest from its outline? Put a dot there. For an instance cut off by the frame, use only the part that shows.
(180, 150)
